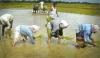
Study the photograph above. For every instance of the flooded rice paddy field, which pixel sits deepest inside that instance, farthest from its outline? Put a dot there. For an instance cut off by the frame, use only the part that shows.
(54, 50)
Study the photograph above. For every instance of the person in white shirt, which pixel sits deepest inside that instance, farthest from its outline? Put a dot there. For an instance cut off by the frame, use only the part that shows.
(53, 12)
(6, 22)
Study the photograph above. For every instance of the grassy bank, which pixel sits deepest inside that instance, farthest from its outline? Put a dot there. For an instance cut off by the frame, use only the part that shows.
(81, 8)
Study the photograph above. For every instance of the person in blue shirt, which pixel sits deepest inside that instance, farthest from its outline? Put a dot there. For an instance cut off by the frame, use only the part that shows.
(86, 31)
(22, 32)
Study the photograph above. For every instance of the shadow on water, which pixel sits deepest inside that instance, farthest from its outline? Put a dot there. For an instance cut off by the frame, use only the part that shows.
(43, 50)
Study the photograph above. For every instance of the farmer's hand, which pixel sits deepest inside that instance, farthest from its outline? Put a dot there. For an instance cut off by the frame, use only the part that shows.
(45, 25)
(60, 37)
(6, 29)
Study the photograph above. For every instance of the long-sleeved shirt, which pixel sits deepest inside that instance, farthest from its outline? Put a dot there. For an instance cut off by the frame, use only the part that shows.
(86, 32)
(26, 31)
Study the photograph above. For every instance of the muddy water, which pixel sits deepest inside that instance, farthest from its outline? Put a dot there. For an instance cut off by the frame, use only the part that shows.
(40, 49)
(25, 17)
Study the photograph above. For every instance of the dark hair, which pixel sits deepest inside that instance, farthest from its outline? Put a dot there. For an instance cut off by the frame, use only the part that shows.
(54, 4)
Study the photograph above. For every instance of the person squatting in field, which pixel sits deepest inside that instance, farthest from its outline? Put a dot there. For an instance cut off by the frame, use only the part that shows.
(6, 21)
(85, 32)
(23, 32)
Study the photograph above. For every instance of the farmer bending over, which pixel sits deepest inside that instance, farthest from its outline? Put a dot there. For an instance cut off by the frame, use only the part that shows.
(86, 31)
(56, 27)
(25, 32)
(6, 21)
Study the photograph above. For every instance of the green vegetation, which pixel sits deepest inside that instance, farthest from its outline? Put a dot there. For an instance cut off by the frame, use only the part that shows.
(42, 50)
(81, 8)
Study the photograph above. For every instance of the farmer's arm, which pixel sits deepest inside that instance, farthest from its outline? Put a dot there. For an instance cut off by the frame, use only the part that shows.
(93, 40)
(8, 23)
(31, 36)
(57, 13)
